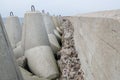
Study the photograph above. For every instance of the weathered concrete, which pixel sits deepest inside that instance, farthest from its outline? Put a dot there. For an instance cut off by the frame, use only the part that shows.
(49, 25)
(26, 75)
(19, 43)
(59, 19)
(54, 43)
(18, 51)
(35, 33)
(97, 41)
(29, 76)
(55, 21)
(59, 30)
(37, 78)
(22, 61)
(42, 62)
(23, 38)
(58, 36)
(105, 14)
(14, 29)
(8, 68)
(37, 50)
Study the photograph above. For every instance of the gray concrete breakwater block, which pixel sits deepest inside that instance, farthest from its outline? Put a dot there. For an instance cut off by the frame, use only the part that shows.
(35, 32)
(14, 29)
(8, 68)
(41, 62)
(54, 43)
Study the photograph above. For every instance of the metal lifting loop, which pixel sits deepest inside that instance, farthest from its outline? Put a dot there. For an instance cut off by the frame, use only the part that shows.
(32, 8)
(11, 13)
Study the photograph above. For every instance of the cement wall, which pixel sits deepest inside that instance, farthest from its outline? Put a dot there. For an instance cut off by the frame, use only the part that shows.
(97, 41)
(8, 68)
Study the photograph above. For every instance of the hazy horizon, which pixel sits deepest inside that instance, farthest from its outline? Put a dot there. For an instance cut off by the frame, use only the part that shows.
(63, 7)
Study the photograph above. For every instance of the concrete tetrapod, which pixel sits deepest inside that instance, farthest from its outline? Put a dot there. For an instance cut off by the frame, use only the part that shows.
(49, 25)
(59, 18)
(14, 29)
(19, 43)
(23, 38)
(18, 52)
(33, 44)
(8, 68)
(59, 30)
(54, 43)
(29, 76)
(55, 21)
(58, 36)
(35, 32)
(58, 21)
(42, 62)
(37, 78)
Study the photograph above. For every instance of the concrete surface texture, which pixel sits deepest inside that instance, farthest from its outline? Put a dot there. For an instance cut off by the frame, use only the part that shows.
(42, 63)
(49, 25)
(59, 19)
(59, 30)
(54, 18)
(23, 38)
(57, 23)
(97, 40)
(58, 36)
(8, 68)
(29, 76)
(14, 29)
(19, 43)
(106, 14)
(18, 52)
(54, 43)
(22, 62)
(35, 32)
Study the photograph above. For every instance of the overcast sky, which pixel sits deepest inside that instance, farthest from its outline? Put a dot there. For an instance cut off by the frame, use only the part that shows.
(63, 7)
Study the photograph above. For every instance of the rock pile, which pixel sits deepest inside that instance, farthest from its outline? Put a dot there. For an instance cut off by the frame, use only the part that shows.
(69, 62)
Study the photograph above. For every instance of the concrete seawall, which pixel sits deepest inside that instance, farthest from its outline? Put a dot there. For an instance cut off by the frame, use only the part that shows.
(97, 40)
